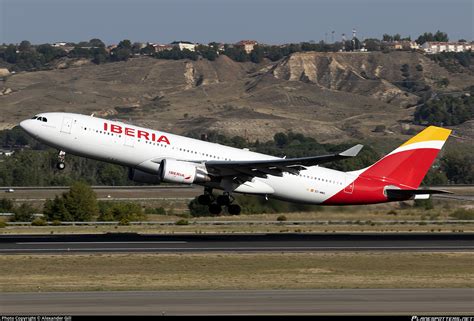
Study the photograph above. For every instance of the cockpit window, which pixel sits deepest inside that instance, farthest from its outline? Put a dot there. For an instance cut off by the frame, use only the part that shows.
(43, 119)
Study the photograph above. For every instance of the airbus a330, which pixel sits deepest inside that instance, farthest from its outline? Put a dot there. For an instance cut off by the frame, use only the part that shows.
(154, 156)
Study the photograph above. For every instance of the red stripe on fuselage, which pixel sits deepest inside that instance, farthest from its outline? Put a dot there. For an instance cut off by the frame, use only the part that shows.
(404, 169)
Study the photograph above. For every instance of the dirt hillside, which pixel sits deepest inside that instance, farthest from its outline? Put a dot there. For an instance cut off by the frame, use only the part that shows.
(331, 96)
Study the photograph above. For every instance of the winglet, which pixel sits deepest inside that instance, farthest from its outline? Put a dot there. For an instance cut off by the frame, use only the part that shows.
(353, 151)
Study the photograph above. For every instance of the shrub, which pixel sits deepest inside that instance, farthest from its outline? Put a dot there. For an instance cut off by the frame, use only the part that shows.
(39, 222)
(182, 222)
(110, 211)
(124, 221)
(196, 209)
(158, 210)
(281, 218)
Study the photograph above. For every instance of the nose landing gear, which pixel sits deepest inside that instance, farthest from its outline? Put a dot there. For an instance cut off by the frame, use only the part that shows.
(61, 160)
(216, 203)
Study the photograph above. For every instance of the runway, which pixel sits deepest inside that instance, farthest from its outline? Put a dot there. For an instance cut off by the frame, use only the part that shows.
(177, 243)
(274, 302)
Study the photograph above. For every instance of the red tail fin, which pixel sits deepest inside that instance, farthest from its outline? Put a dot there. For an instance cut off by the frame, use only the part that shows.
(408, 164)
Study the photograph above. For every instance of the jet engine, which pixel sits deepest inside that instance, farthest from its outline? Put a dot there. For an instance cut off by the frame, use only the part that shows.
(139, 176)
(175, 171)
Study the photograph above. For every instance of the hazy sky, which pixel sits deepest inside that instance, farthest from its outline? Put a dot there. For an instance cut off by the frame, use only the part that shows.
(279, 21)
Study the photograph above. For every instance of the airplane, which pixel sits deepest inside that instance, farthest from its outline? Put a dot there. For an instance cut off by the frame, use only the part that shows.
(154, 156)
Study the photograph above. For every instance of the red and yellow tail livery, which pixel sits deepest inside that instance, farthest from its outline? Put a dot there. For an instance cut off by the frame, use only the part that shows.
(402, 169)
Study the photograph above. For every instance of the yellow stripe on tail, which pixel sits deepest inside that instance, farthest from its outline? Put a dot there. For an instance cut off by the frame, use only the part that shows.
(430, 133)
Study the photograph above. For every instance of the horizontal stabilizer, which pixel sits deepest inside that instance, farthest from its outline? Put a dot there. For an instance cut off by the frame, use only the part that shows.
(353, 151)
(405, 194)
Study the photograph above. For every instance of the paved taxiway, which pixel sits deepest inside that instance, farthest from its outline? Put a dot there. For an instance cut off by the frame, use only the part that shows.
(345, 301)
(146, 243)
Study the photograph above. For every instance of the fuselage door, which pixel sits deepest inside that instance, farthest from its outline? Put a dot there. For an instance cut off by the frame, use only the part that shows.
(66, 125)
(349, 185)
(129, 141)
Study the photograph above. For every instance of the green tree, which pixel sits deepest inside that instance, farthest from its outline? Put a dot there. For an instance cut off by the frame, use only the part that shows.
(23, 213)
(80, 52)
(207, 52)
(10, 54)
(149, 50)
(6, 205)
(280, 139)
(237, 54)
(428, 36)
(127, 44)
(25, 45)
(97, 43)
(459, 167)
(111, 175)
(55, 210)
(136, 47)
(99, 55)
(387, 37)
(121, 54)
(441, 36)
(81, 202)
(49, 52)
(257, 54)
(372, 44)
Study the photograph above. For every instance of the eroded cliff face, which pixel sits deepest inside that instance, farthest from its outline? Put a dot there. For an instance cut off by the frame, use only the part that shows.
(359, 73)
(394, 78)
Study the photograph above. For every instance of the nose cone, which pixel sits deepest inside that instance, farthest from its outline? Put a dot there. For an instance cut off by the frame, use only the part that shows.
(27, 126)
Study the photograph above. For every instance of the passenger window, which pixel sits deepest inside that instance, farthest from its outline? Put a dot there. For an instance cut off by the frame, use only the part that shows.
(45, 120)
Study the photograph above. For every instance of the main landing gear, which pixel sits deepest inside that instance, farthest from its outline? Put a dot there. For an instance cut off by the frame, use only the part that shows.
(216, 203)
(61, 160)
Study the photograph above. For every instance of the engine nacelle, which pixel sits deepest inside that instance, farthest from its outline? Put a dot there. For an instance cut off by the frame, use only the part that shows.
(174, 171)
(139, 176)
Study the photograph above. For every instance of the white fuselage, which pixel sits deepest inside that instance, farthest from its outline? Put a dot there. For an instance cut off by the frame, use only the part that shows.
(142, 148)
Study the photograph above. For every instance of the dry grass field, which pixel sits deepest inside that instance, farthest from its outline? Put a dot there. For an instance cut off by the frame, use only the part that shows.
(109, 272)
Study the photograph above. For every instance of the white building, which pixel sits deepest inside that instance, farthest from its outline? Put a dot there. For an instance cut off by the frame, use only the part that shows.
(184, 45)
(247, 45)
(437, 47)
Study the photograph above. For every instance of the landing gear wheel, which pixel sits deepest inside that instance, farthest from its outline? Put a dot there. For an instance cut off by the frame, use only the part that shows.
(215, 209)
(204, 199)
(60, 166)
(223, 200)
(61, 160)
(233, 209)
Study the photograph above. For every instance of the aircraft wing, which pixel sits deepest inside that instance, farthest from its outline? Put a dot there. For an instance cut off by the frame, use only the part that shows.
(275, 167)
